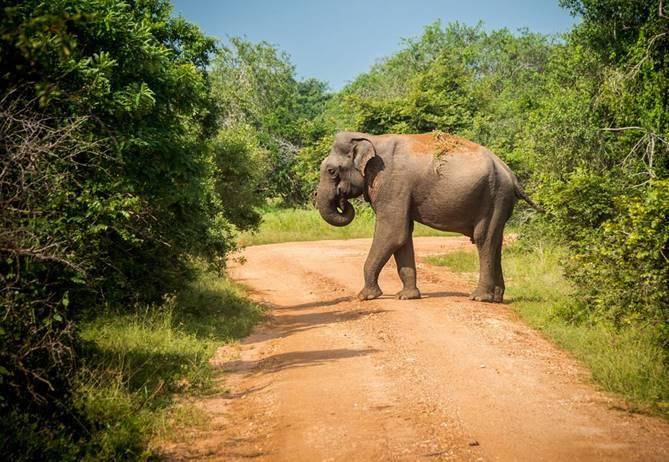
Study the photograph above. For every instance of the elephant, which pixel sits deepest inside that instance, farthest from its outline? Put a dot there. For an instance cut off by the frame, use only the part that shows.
(440, 180)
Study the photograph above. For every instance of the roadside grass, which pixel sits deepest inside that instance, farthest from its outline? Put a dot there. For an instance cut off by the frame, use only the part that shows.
(461, 261)
(138, 366)
(626, 360)
(291, 225)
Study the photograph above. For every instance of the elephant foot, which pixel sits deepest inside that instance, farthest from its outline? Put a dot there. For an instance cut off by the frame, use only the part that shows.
(483, 295)
(369, 293)
(408, 294)
(499, 295)
(496, 295)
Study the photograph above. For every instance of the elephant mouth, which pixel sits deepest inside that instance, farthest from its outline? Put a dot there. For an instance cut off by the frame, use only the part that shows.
(342, 203)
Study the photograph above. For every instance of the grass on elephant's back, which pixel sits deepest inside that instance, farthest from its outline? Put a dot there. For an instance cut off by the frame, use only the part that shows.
(292, 225)
(625, 360)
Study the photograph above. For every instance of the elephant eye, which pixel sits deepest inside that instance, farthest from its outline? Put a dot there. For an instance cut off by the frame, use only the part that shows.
(332, 171)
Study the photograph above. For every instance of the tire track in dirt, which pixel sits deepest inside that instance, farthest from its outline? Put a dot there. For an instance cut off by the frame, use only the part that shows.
(442, 378)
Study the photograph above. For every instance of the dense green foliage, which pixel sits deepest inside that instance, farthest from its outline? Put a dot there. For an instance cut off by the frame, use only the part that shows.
(112, 178)
(600, 135)
(457, 79)
(263, 102)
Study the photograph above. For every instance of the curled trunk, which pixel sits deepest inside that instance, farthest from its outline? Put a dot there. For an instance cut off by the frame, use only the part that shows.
(335, 212)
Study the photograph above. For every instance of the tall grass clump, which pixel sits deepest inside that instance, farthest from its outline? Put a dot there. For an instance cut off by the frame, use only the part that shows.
(138, 365)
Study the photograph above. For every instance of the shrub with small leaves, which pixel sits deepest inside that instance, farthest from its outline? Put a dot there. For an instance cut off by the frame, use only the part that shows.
(624, 272)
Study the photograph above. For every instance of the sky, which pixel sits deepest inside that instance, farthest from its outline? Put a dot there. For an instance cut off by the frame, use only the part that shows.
(335, 40)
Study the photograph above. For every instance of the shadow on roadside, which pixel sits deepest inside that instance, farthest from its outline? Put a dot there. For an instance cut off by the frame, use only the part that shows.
(444, 294)
(285, 325)
(334, 301)
(283, 361)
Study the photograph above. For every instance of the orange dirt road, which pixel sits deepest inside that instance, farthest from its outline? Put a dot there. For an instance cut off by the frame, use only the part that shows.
(330, 378)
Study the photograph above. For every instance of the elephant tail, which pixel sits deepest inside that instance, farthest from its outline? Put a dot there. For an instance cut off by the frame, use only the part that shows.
(521, 194)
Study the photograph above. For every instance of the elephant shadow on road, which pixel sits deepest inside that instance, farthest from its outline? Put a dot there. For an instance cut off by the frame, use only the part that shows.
(295, 359)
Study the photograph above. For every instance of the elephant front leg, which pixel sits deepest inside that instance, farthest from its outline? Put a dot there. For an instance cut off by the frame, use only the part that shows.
(378, 256)
(389, 236)
(406, 268)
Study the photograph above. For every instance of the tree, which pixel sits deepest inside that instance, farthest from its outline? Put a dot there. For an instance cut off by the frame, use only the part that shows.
(108, 160)
(601, 137)
(255, 86)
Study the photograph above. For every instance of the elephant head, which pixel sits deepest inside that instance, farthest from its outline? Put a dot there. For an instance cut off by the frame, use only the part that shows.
(343, 177)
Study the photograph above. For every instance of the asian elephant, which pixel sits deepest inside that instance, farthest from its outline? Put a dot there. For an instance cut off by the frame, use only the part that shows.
(440, 180)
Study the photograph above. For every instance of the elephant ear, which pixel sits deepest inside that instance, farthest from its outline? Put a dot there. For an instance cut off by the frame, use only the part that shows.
(363, 152)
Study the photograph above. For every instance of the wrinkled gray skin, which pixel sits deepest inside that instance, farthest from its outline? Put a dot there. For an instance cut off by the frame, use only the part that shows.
(469, 191)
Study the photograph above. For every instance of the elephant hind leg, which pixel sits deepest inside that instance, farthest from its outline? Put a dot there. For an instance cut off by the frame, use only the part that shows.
(489, 244)
(498, 296)
(487, 288)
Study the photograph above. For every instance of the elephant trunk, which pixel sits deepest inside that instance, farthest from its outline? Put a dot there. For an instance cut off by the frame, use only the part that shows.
(327, 203)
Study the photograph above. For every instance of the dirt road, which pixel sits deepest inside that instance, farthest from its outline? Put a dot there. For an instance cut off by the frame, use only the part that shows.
(442, 378)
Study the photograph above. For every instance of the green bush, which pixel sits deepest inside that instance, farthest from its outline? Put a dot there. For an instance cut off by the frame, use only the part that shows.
(256, 87)
(601, 160)
(240, 167)
(577, 204)
(624, 272)
(110, 183)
